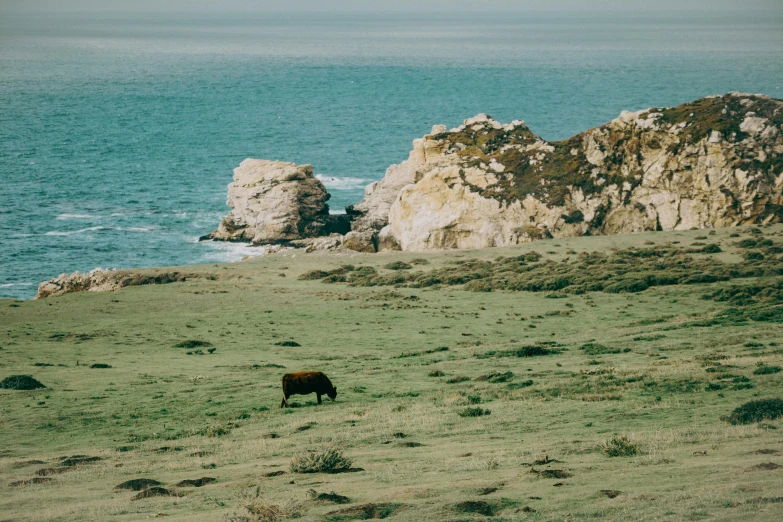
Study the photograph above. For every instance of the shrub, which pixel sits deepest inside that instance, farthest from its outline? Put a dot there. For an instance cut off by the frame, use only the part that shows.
(419, 261)
(327, 461)
(527, 351)
(473, 412)
(100, 365)
(756, 411)
(597, 349)
(766, 370)
(436, 373)
(21, 382)
(457, 378)
(619, 446)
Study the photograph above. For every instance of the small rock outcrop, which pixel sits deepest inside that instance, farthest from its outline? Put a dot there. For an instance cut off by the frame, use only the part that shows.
(715, 162)
(100, 280)
(276, 202)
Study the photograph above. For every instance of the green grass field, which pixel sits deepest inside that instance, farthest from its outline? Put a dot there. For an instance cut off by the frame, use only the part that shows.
(452, 404)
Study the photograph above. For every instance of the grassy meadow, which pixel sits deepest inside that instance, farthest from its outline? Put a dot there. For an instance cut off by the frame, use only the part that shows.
(490, 402)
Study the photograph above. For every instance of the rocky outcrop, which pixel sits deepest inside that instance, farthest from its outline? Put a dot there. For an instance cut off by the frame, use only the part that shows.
(100, 280)
(275, 202)
(714, 162)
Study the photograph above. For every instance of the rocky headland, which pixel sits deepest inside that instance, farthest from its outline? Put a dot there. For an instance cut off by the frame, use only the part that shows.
(715, 162)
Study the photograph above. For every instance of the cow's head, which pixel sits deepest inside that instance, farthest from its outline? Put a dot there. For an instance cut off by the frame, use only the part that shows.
(332, 394)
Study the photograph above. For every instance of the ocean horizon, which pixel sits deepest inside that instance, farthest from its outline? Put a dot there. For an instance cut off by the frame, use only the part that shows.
(119, 132)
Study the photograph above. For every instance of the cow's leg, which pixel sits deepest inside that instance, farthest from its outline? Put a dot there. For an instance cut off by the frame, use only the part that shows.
(319, 398)
(285, 402)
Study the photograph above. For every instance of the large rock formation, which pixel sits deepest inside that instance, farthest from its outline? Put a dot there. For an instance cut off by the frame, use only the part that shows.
(274, 202)
(714, 162)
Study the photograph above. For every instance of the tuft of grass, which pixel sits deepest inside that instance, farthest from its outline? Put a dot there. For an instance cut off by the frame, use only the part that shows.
(436, 373)
(620, 446)
(756, 411)
(457, 378)
(329, 460)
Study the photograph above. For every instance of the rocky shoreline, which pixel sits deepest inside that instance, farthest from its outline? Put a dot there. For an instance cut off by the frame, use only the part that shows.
(714, 162)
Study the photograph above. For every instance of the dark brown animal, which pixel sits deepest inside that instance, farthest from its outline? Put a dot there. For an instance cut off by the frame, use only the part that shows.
(303, 383)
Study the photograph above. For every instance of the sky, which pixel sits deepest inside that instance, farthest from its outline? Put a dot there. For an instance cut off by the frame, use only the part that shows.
(708, 7)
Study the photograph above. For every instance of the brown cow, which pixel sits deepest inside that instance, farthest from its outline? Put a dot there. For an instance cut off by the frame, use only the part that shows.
(303, 383)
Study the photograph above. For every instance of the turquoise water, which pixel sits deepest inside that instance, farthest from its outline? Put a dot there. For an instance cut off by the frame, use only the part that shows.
(118, 136)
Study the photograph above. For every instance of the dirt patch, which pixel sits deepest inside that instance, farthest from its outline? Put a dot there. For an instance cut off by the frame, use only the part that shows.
(765, 451)
(21, 382)
(138, 484)
(765, 466)
(197, 483)
(611, 493)
(26, 463)
(155, 491)
(30, 482)
(365, 512)
(477, 506)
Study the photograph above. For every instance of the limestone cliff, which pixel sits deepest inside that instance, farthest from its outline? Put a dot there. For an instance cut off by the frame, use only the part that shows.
(714, 162)
(273, 202)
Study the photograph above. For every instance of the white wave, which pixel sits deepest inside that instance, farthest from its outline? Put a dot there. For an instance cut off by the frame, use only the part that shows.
(337, 212)
(135, 229)
(63, 217)
(6, 285)
(341, 183)
(229, 252)
(72, 232)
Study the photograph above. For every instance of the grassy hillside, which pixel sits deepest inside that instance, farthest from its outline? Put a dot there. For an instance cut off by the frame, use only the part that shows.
(500, 403)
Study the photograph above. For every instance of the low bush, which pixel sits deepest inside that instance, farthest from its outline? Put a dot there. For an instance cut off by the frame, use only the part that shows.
(756, 411)
(619, 446)
(473, 412)
(21, 382)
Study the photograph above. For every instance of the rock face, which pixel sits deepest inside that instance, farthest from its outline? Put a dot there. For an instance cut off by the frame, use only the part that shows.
(715, 162)
(274, 202)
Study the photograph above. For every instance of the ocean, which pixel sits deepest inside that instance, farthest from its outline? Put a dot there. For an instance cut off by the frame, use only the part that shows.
(118, 134)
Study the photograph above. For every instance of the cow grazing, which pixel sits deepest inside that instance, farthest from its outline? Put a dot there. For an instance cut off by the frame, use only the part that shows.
(303, 383)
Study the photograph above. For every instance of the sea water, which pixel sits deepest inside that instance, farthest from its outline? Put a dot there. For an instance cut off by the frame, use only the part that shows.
(118, 134)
